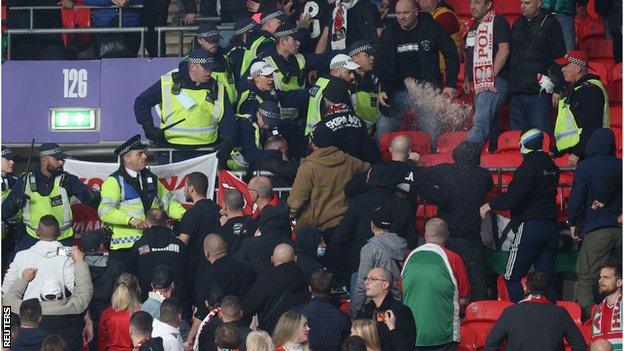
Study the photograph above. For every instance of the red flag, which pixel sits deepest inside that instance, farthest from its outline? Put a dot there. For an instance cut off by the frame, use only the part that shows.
(229, 181)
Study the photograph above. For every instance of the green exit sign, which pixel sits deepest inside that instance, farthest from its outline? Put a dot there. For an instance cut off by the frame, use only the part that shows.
(74, 119)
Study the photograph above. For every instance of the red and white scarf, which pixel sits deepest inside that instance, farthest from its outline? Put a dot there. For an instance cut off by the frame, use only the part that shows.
(535, 298)
(339, 24)
(213, 314)
(483, 54)
(612, 331)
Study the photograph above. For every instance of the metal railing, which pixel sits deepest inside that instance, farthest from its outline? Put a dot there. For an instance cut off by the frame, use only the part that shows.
(180, 19)
(31, 10)
(141, 30)
(164, 29)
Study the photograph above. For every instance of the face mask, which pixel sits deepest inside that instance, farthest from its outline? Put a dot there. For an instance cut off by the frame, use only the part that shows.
(320, 251)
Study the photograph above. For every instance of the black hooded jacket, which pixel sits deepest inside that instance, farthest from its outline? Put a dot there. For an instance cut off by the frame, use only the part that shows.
(275, 292)
(354, 229)
(104, 272)
(462, 187)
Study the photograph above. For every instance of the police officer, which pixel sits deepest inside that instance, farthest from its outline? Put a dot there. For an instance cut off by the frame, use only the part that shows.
(288, 62)
(242, 29)
(583, 109)
(207, 37)
(366, 83)
(195, 110)
(10, 228)
(253, 136)
(128, 194)
(531, 199)
(48, 191)
(262, 40)
(341, 67)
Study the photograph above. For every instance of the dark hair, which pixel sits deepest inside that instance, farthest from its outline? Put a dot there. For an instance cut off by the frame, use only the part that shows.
(234, 199)
(214, 295)
(320, 283)
(51, 227)
(227, 336)
(537, 282)
(30, 311)
(231, 306)
(170, 309)
(141, 322)
(156, 216)
(199, 181)
(162, 277)
(54, 342)
(353, 343)
(49, 221)
(616, 267)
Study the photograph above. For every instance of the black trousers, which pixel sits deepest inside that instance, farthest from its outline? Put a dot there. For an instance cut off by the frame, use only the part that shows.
(472, 253)
(154, 15)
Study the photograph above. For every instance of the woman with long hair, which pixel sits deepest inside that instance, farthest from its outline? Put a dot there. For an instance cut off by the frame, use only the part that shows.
(291, 332)
(367, 330)
(115, 320)
(259, 340)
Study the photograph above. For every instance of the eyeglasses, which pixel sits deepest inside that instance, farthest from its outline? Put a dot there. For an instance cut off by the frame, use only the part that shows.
(374, 279)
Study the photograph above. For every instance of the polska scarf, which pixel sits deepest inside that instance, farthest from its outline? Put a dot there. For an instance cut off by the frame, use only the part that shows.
(339, 24)
(483, 54)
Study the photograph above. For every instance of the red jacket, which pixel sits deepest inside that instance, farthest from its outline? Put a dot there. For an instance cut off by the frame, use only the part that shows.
(114, 331)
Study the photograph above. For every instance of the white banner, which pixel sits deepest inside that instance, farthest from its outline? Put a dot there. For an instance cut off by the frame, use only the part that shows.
(172, 176)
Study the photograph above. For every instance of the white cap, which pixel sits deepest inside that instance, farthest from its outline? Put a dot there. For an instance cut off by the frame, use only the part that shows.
(52, 286)
(261, 68)
(342, 60)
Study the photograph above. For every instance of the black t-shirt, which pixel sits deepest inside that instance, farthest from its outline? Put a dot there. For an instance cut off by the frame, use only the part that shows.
(199, 221)
(407, 52)
(502, 34)
(232, 232)
(317, 9)
(363, 19)
(234, 275)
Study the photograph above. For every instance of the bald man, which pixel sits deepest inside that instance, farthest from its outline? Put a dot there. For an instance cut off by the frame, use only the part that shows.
(281, 288)
(410, 51)
(270, 211)
(601, 345)
(434, 283)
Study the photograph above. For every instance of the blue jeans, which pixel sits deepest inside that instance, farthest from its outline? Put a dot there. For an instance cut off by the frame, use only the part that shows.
(531, 111)
(567, 27)
(487, 104)
(535, 245)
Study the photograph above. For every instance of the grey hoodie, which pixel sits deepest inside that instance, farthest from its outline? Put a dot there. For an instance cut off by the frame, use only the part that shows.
(387, 251)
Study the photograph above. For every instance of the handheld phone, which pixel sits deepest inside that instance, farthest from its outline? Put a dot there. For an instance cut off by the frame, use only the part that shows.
(64, 251)
(381, 316)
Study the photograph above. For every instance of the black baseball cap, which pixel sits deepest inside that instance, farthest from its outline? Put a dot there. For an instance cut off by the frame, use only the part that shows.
(381, 218)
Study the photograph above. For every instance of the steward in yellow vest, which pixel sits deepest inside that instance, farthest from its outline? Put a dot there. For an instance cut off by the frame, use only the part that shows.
(128, 194)
(262, 41)
(291, 66)
(365, 98)
(583, 109)
(47, 191)
(194, 108)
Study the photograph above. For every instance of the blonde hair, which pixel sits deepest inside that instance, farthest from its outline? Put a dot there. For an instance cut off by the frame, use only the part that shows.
(127, 294)
(367, 330)
(288, 328)
(259, 340)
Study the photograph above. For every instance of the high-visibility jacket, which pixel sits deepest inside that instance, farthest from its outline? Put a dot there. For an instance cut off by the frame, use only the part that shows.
(314, 106)
(366, 107)
(227, 80)
(57, 203)
(252, 52)
(121, 202)
(237, 161)
(287, 83)
(285, 112)
(457, 36)
(567, 133)
(201, 109)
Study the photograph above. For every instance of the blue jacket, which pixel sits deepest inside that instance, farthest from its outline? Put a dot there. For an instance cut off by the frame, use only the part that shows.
(29, 339)
(591, 177)
(328, 325)
(104, 17)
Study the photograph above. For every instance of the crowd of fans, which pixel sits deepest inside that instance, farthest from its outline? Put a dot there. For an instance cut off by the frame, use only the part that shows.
(306, 94)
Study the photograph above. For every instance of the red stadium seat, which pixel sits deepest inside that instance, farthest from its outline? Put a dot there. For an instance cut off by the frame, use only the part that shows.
(614, 88)
(615, 116)
(509, 142)
(481, 316)
(448, 141)
(435, 159)
(586, 330)
(600, 69)
(468, 339)
(503, 293)
(461, 7)
(508, 8)
(593, 28)
(574, 310)
(501, 160)
(421, 142)
(597, 48)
